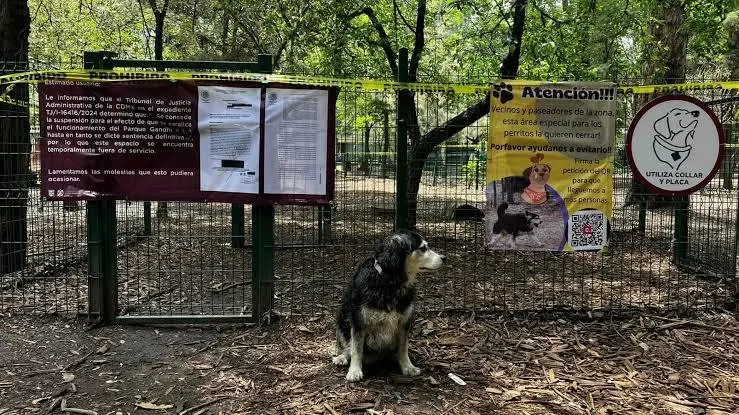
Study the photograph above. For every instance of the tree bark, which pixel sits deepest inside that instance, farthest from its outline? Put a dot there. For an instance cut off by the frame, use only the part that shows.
(365, 165)
(15, 145)
(385, 141)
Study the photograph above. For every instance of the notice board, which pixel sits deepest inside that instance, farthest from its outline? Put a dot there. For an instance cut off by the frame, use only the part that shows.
(200, 141)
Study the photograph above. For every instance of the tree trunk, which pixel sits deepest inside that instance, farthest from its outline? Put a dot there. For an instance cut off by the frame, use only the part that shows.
(385, 141)
(366, 156)
(159, 35)
(669, 32)
(159, 16)
(422, 146)
(15, 145)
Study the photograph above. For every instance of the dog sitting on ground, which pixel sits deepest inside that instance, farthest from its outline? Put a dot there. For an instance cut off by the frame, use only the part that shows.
(515, 224)
(376, 314)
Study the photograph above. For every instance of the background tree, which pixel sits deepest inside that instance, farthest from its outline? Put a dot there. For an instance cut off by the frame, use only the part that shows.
(15, 146)
(160, 14)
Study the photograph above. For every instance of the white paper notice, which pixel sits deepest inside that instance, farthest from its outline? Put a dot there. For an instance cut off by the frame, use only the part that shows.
(228, 122)
(295, 141)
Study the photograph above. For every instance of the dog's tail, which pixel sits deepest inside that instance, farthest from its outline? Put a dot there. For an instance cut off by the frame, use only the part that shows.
(497, 226)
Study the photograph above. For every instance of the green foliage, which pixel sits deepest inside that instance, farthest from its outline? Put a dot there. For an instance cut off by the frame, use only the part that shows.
(465, 39)
(62, 29)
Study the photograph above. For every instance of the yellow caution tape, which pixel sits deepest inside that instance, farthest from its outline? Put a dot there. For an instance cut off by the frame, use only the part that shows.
(117, 75)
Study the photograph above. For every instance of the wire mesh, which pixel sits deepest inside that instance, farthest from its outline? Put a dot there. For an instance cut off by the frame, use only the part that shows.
(187, 265)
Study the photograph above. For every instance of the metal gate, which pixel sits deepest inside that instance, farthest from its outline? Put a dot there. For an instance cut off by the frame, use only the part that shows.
(125, 288)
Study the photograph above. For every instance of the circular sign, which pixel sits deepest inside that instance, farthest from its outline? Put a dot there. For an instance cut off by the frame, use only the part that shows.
(675, 145)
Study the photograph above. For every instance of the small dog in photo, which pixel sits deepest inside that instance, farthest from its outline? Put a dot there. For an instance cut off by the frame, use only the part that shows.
(538, 174)
(514, 225)
(376, 313)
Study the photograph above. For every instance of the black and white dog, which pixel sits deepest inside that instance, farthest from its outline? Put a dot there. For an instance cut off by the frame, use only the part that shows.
(376, 313)
(515, 224)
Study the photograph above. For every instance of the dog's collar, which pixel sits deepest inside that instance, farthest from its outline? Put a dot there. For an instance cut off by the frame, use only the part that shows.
(666, 144)
(378, 267)
(534, 195)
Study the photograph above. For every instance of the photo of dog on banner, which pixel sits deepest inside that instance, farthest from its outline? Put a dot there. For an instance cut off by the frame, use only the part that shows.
(524, 212)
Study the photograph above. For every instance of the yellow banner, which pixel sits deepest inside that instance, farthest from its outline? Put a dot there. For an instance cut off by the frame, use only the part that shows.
(550, 166)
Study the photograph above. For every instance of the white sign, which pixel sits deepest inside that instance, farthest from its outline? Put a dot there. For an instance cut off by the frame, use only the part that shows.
(295, 139)
(675, 145)
(229, 126)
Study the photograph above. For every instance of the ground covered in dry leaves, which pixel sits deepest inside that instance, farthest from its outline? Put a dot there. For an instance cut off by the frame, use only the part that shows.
(498, 364)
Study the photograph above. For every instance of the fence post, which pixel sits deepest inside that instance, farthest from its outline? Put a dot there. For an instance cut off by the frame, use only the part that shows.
(680, 247)
(401, 147)
(263, 228)
(101, 238)
(238, 231)
(147, 218)
(736, 254)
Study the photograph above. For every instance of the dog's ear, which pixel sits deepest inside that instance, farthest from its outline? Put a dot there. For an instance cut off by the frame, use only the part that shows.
(662, 126)
(391, 253)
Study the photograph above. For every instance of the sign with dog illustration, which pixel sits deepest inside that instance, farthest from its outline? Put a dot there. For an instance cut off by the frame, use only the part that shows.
(675, 145)
(550, 166)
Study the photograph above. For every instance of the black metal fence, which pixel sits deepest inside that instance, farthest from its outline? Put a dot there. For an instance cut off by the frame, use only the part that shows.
(188, 263)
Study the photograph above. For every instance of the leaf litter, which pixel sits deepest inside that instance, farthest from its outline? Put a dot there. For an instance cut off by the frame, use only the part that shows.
(508, 365)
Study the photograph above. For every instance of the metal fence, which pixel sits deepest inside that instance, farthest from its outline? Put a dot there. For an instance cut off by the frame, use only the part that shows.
(189, 263)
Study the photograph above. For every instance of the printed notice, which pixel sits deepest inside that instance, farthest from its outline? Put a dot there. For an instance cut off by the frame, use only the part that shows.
(228, 122)
(116, 141)
(550, 166)
(295, 158)
(186, 141)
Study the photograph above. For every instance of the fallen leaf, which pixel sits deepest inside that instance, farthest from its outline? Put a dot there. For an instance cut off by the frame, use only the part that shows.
(153, 406)
(510, 395)
(432, 380)
(457, 379)
(362, 407)
(39, 400)
(494, 390)
(104, 348)
(67, 377)
(673, 379)
(305, 329)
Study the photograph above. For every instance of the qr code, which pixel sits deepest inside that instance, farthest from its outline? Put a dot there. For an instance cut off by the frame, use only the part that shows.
(588, 230)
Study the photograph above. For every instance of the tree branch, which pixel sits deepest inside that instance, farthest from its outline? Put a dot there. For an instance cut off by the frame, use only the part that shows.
(400, 13)
(543, 13)
(509, 67)
(384, 38)
(419, 42)
(508, 70)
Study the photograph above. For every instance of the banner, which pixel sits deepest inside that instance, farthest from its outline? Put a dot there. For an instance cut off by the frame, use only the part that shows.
(550, 166)
(238, 142)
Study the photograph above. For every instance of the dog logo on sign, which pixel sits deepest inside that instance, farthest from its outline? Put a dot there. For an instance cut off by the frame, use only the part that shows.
(674, 136)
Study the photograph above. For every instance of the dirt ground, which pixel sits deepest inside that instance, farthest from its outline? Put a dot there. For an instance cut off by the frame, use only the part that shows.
(504, 364)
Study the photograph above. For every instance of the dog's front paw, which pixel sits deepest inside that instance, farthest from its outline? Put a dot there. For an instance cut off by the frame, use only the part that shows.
(410, 370)
(340, 360)
(354, 374)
